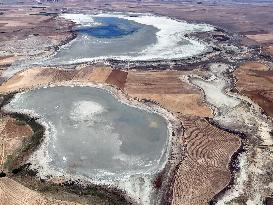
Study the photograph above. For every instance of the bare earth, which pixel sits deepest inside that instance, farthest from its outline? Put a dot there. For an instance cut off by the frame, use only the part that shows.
(12, 134)
(13, 193)
(205, 169)
(261, 38)
(255, 80)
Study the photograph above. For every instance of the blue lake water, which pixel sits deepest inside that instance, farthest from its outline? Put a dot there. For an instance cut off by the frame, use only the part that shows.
(109, 27)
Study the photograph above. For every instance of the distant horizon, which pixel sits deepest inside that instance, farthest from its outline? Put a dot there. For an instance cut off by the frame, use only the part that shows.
(144, 1)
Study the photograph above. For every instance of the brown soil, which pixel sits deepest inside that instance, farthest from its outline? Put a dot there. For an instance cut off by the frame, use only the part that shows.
(262, 38)
(24, 33)
(37, 77)
(13, 193)
(242, 18)
(117, 78)
(21, 23)
(205, 170)
(13, 133)
(7, 60)
(255, 80)
(166, 88)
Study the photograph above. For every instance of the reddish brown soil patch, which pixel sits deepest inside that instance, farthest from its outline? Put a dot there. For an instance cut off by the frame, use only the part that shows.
(117, 78)
(255, 80)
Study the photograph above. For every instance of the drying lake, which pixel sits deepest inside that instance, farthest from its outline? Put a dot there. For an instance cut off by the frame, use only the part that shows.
(129, 37)
(92, 134)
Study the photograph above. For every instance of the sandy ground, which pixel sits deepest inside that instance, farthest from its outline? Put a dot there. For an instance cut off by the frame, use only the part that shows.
(6, 60)
(17, 18)
(255, 80)
(43, 76)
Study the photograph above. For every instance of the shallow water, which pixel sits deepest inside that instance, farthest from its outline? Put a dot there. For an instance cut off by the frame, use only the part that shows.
(97, 136)
(109, 27)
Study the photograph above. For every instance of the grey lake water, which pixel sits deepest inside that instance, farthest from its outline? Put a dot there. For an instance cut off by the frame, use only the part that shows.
(96, 135)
